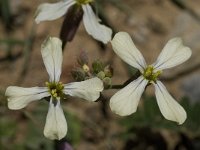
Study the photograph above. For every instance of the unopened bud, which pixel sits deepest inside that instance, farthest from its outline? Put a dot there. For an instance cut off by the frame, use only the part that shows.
(62, 145)
(78, 74)
(108, 71)
(83, 58)
(97, 66)
(70, 24)
(86, 68)
(107, 82)
(101, 75)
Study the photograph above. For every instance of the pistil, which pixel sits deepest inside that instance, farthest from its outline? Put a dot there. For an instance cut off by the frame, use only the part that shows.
(55, 89)
(151, 75)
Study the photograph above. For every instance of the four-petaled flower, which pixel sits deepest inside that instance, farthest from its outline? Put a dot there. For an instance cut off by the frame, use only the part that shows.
(93, 27)
(125, 101)
(56, 125)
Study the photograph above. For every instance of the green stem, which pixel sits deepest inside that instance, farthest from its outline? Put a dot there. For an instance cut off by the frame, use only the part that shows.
(120, 86)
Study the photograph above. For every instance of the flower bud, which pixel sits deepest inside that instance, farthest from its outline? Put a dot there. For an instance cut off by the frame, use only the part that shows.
(86, 68)
(101, 75)
(108, 70)
(83, 58)
(78, 74)
(107, 82)
(70, 24)
(97, 66)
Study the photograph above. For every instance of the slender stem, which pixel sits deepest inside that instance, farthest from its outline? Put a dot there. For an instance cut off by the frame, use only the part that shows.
(120, 86)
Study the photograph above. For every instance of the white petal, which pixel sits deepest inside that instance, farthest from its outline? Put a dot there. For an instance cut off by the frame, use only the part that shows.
(173, 54)
(56, 125)
(89, 89)
(19, 97)
(53, 11)
(170, 109)
(93, 27)
(124, 47)
(125, 101)
(51, 50)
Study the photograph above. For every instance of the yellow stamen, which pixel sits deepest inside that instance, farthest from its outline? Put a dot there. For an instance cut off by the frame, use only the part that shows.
(55, 89)
(151, 75)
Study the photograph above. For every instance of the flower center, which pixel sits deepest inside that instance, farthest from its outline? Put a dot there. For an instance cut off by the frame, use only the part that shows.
(150, 74)
(83, 2)
(55, 89)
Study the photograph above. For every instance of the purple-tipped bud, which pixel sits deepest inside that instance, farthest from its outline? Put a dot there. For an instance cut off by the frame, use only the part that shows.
(62, 145)
(70, 24)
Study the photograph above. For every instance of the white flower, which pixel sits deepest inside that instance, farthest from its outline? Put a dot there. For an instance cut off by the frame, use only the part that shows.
(56, 125)
(53, 11)
(125, 101)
